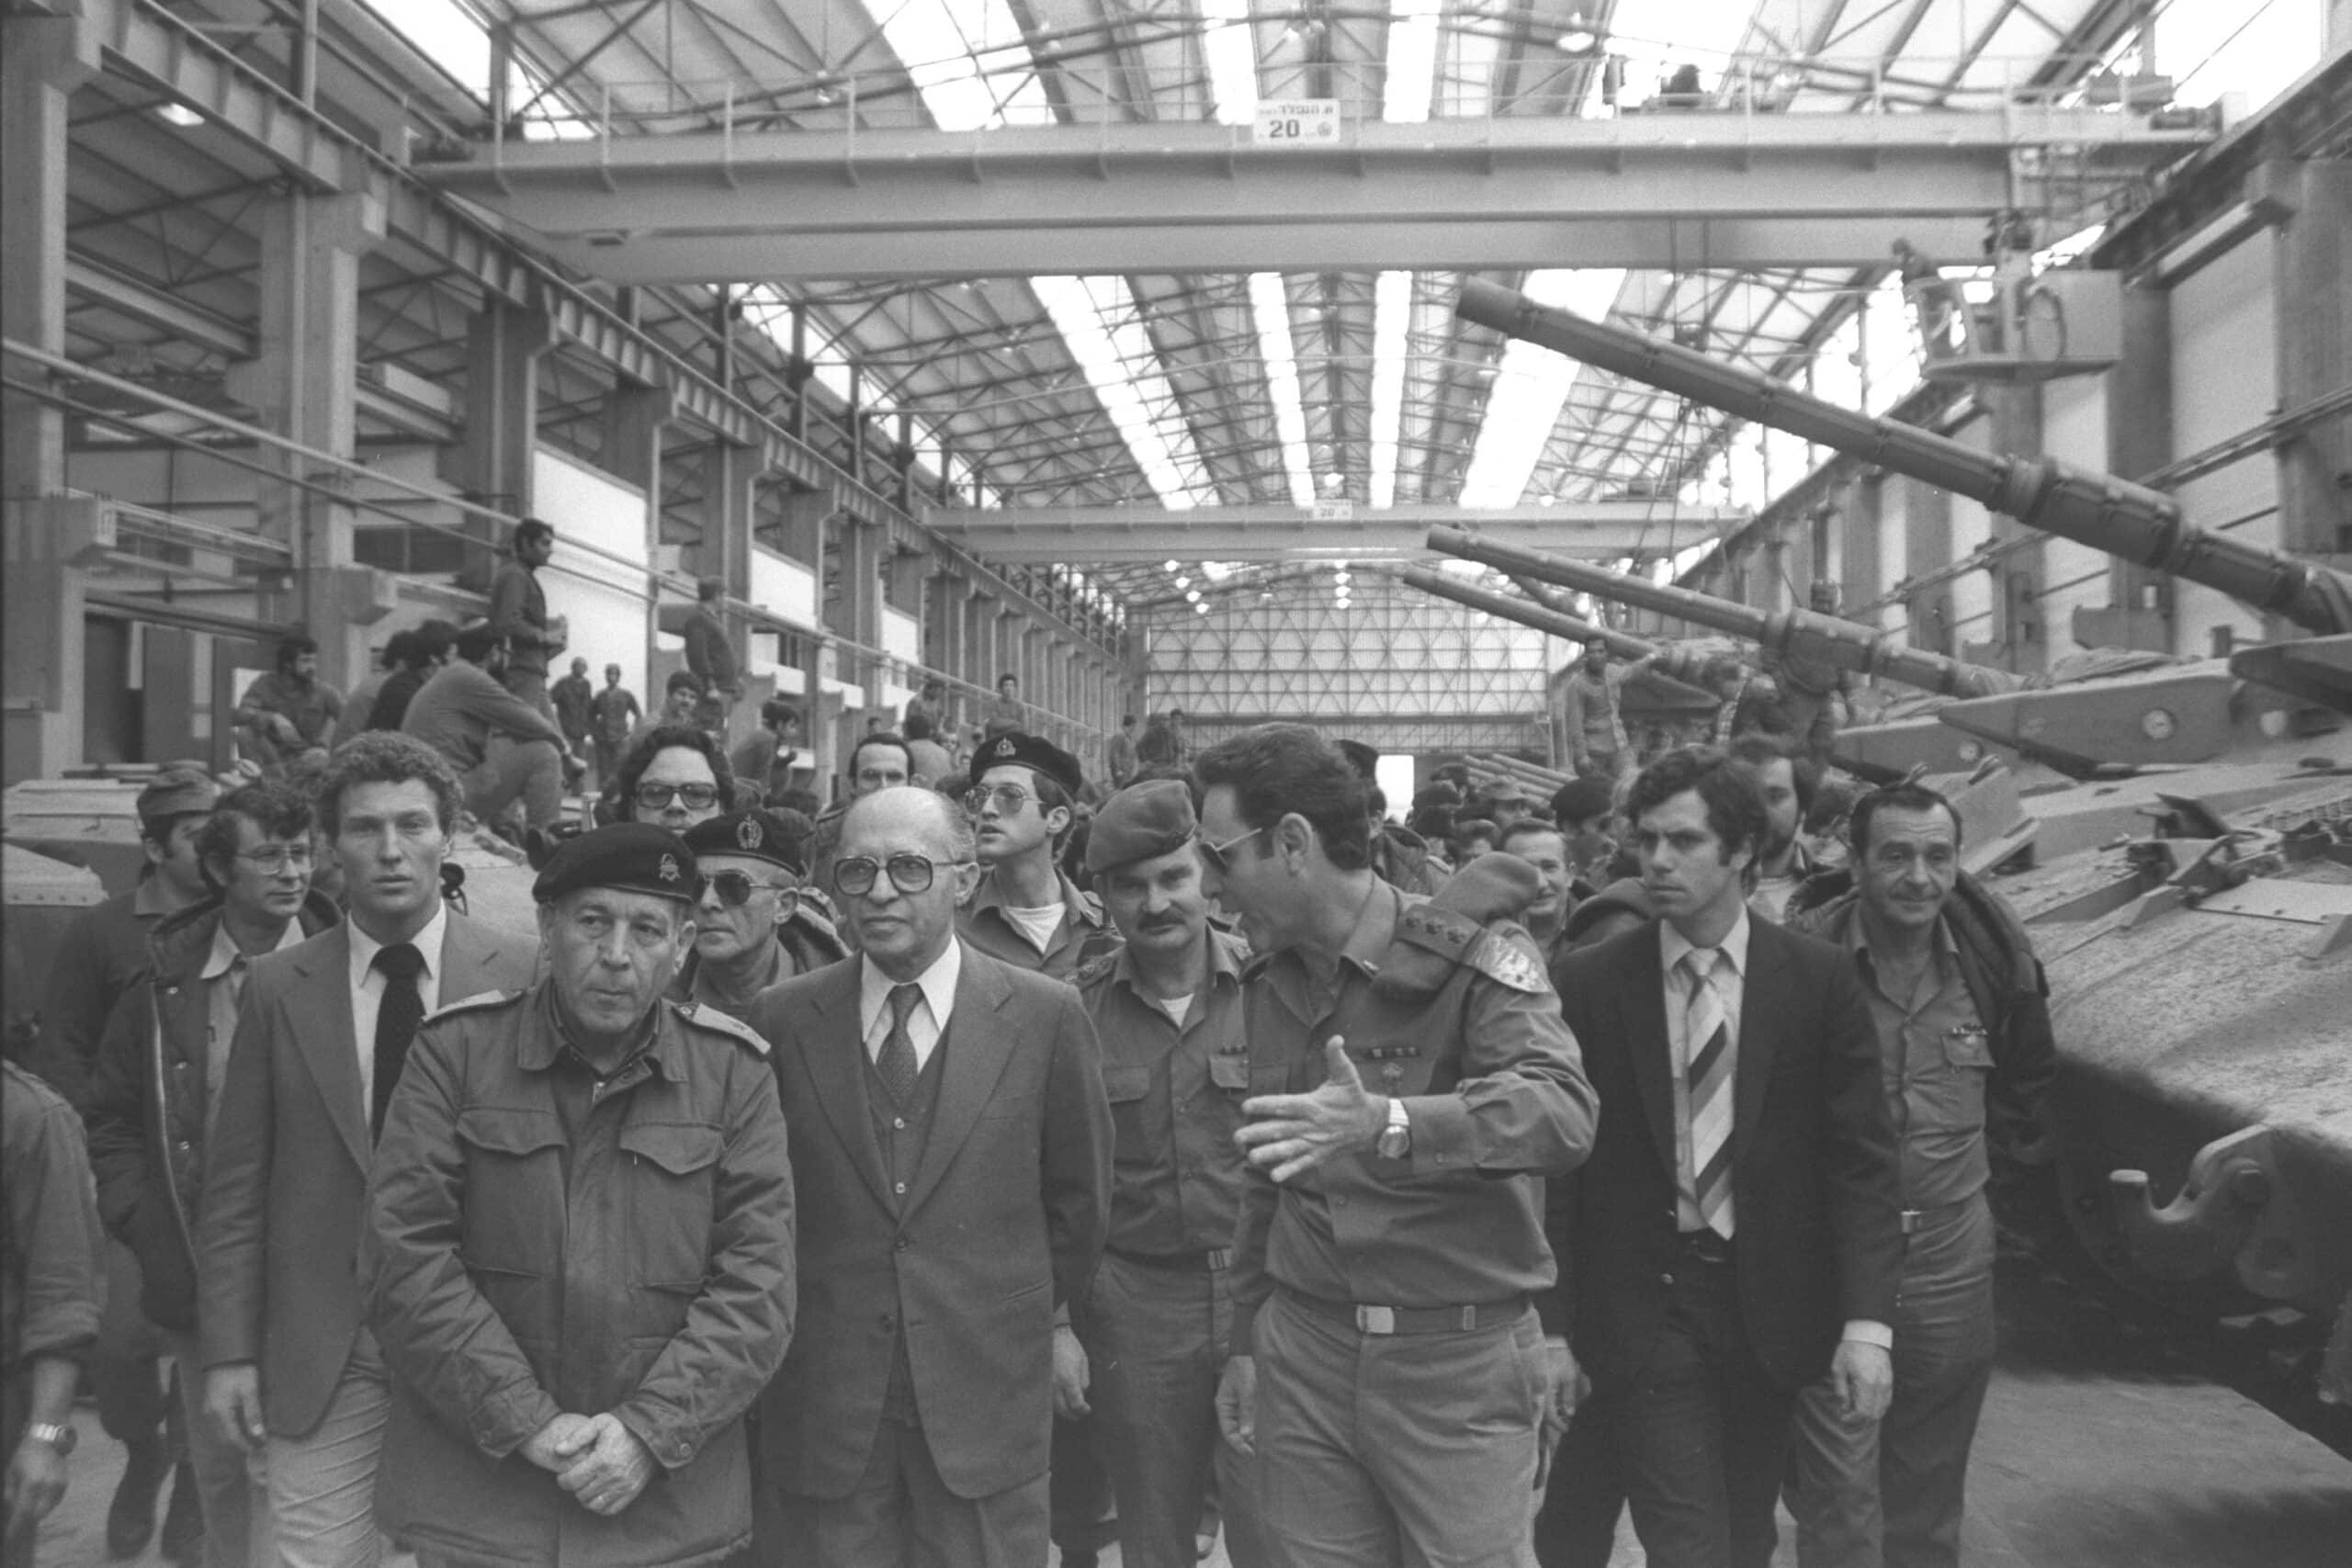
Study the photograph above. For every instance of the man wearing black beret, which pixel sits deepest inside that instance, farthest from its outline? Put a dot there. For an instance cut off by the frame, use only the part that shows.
(1150, 1337)
(1022, 801)
(578, 1258)
(752, 929)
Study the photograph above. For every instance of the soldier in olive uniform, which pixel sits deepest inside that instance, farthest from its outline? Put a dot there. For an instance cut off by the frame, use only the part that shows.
(1409, 1072)
(1152, 1334)
(1024, 800)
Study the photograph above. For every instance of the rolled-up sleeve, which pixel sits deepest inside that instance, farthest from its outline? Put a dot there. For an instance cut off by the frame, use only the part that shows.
(738, 1329)
(53, 1230)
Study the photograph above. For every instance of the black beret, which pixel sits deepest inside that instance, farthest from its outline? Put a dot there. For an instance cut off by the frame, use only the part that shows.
(1140, 821)
(756, 835)
(635, 857)
(1579, 799)
(1018, 750)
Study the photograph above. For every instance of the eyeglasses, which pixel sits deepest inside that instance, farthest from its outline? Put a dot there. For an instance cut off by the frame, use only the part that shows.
(697, 796)
(735, 888)
(1215, 854)
(274, 858)
(909, 872)
(1009, 798)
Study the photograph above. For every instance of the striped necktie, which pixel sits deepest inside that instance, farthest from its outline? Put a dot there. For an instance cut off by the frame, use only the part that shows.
(1706, 1034)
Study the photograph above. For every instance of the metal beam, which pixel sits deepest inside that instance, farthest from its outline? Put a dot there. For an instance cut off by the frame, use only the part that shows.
(1085, 535)
(1717, 189)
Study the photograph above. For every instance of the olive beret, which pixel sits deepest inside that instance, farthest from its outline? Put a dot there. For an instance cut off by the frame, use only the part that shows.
(634, 857)
(177, 791)
(1140, 821)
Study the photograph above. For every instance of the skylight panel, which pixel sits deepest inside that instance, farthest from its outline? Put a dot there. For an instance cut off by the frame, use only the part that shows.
(1392, 314)
(1269, 308)
(1706, 34)
(1531, 386)
(1232, 56)
(967, 61)
(1102, 330)
(446, 33)
(1410, 77)
(2258, 48)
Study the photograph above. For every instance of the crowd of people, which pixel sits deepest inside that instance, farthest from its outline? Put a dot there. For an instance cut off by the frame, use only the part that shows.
(997, 1158)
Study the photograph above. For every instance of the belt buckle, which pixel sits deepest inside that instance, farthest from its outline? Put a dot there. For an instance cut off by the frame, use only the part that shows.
(1376, 1320)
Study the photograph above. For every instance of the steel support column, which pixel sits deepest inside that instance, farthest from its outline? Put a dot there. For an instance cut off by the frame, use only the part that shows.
(492, 465)
(2139, 442)
(2314, 315)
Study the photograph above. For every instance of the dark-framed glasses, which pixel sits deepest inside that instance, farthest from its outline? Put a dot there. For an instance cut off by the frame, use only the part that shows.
(1009, 798)
(735, 888)
(1215, 853)
(909, 872)
(271, 858)
(697, 797)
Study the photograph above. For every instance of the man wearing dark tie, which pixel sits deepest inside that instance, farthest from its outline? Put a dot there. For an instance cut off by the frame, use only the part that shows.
(1734, 1232)
(322, 1031)
(951, 1155)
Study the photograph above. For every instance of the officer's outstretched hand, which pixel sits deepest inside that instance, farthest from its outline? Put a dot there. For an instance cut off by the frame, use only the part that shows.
(1071, 1374)
(1236, 1403)
(1296, 1132)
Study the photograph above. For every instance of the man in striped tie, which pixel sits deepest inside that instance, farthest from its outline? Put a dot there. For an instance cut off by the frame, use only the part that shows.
(1733, 1235)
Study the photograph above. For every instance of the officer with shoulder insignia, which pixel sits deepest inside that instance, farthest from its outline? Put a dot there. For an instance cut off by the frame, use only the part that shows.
(1024, 800)
(1151, 1336)
(1409, 1075)
(579, 1259)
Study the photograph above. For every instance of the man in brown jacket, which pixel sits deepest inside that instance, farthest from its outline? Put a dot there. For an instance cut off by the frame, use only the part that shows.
(578, 1258)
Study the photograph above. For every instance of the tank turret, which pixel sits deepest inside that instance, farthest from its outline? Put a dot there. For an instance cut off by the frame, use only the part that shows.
(2140, 525)
(1789, 634)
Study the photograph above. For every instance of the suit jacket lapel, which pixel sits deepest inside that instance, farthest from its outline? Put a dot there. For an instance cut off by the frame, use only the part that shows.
(1651, 1044)
(1763, 1003)
(834, 1059)
(976, 1055)
(468, 952)
(323, 1035)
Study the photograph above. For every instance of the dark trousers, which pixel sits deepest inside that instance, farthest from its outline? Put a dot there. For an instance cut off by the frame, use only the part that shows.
(1893, 1491)
(1079, 1494)
(1577, 1526)
(134, 1408)
(1702, 1431)
(1156, 1339)
(901, 1515)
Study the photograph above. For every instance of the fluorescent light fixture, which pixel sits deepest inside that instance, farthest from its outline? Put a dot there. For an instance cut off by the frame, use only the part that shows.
(1531, 388)
(177, 114)
(1269, 308)
(1232, 56)
(1183, 582)
(1171, 565)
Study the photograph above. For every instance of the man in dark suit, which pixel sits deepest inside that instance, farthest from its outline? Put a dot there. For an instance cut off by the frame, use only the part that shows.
(950, 1152)
(1734, 1232)
(322, 1031)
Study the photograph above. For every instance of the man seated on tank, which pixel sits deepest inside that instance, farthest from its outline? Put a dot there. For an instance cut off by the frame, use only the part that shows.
(504, 749)
(289, 710)
(1966, 1056)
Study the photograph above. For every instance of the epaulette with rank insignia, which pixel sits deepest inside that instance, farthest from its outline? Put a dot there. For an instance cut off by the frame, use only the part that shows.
(724, 1023)
(1094, 970)
(479, 1002)
(1435, 934)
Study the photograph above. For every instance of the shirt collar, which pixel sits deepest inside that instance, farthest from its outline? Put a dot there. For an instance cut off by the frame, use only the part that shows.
(938, 984)
(428, 943)
(1076, 906)
(1858, 942)
(541, 1048)
(1673, 944)
(225, 954)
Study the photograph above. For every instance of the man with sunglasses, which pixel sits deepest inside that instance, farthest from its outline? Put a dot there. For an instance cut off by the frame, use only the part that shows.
(1409, 1071)
(752, 928)
(158, 1075)
(1022, 799)
(950, 1150)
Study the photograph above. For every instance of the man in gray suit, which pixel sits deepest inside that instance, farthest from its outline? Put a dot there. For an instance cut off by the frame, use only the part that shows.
(321, 1034)
(951, 1154)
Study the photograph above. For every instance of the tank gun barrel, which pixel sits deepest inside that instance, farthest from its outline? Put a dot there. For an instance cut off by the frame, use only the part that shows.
(1683, 663)
(2141, 524)
(1798, 634)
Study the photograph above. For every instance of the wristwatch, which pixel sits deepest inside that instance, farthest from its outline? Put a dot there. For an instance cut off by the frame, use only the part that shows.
(1395, 1140)
(62, 1438)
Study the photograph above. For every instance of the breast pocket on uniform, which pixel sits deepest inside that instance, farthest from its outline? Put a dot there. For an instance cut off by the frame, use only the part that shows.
(1230, 1070)
(1966, 1045)
(512, 1167)
(672, 1166)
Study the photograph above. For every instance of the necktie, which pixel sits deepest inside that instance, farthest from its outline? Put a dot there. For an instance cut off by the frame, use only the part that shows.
(897, 1062)
(396, 1022)
(1707, 1036)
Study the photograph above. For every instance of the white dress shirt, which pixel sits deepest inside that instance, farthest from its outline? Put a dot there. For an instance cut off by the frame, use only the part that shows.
(368, 984)
(928, 1021)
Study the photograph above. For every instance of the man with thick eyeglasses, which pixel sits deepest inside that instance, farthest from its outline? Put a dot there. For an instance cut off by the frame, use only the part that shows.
(1022, 801)
(1026, 911)
(752, 929)
(323, 1033)
(157, 1079)
(1409, 1074)
(950, 1150)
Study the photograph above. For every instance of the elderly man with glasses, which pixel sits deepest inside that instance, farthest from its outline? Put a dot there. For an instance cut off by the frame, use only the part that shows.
(950, 1149)
(752, 927)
